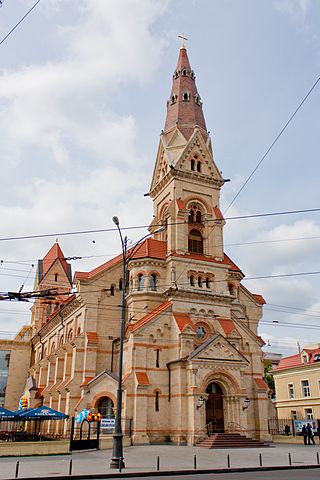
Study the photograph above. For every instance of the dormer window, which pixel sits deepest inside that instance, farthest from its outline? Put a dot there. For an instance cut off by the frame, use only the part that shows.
(192, 75)
(186, 97)
(305, 358)
(176, 74)
(184, 72)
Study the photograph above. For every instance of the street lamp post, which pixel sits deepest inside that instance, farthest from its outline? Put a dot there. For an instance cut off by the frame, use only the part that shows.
(117, 451)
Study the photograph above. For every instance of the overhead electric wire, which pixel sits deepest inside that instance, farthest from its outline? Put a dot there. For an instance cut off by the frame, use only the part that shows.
(137, 227)
(20, 21)
(272, 144)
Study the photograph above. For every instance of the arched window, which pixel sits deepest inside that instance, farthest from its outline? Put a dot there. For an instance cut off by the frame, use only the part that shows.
(105, 407)
(208, 282)
(184, 72)
(193, 164)
(153, 282)
(186, 97)
(112, 290)
(140, 282)
(200, 282)
(195, 242)
(70, 335)
(120, 284)
(157, 358)
(55, 277)
(192, 280)
(156, 402)
(198, 216)
(199, 167)
(191, 216)
(173, 99)
(201, 332)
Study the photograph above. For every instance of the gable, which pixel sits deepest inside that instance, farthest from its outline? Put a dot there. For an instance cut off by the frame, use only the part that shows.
(217, 348)
(197, 146)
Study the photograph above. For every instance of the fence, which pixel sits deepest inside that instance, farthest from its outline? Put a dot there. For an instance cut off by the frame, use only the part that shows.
(34, 430)
(279, 426)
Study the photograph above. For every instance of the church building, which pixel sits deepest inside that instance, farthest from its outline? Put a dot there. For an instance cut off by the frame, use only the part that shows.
(192, 355)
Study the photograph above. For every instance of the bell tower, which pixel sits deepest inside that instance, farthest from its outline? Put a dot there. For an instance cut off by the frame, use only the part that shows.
(186, 182)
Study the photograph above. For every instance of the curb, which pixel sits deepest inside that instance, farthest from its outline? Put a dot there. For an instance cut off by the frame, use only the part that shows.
(165, 473)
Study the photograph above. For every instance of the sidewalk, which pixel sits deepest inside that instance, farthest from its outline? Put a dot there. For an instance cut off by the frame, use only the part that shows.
(140, 459)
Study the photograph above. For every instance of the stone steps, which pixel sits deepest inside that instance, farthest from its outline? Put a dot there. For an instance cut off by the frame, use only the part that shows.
(230, 440)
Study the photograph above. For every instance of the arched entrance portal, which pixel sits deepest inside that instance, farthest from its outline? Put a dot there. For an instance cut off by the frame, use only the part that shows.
(214, 408)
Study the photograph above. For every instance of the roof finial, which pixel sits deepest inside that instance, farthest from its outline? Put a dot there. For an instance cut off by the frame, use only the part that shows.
(183, 38)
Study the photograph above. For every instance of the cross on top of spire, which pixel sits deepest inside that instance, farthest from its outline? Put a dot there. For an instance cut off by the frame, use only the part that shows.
(183, 38)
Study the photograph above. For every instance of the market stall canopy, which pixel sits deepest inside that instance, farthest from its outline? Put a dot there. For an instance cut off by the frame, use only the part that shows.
(6, 414)
(41, 413)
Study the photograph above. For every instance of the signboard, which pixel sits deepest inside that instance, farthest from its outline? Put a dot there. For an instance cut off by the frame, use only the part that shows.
(298, 424)
(107, 424)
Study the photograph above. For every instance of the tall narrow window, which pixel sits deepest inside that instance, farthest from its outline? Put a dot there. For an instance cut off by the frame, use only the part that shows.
(112, 290)
(198, 216)
(200, 282)
(156, 402)
(305, 388)
(157, 358)
(291, 390)
(120, 284)
(140, 282)
(191, 216)
(193, 164)
(153, 282)
(195, 242)
(192, 283)
(199, 167)
(55, 277)
(208, 282)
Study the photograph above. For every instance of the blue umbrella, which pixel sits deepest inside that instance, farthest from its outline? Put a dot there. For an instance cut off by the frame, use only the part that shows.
(41, 413)
(6, 414)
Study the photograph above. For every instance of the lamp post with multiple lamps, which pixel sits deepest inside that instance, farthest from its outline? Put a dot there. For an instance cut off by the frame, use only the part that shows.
(117, 452)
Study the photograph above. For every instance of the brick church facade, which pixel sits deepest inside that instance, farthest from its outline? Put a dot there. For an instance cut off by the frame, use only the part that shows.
(192, 354)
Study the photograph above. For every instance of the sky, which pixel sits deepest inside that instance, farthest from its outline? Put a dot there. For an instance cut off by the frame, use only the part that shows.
(83, 91)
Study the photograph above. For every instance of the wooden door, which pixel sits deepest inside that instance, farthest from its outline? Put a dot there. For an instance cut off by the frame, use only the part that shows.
(214, 408)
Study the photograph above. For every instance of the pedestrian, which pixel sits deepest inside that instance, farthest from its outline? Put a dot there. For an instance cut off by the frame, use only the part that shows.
(310, 434)
(304, 432)
(287, 430)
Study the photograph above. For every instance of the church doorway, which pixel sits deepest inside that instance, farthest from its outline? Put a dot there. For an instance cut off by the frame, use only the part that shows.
(214, 408)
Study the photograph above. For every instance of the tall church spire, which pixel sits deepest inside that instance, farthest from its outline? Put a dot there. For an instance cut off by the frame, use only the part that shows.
(184, 108)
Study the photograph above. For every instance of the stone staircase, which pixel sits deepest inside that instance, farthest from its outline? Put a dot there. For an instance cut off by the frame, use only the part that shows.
(230, 440)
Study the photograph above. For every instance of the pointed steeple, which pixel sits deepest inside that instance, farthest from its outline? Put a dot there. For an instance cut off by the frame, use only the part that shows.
(184, 107)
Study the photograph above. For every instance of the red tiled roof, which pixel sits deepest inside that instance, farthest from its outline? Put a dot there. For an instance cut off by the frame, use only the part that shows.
(181, 204)
(92, 337)
(144, 320)
(183, 320)
(142, 378)
(289, 362)
(86, 381)
(227, 325)
(259, 298)
(55, 253)
(149, 248)
(218, 213)
(296, 360)
(261, 384)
